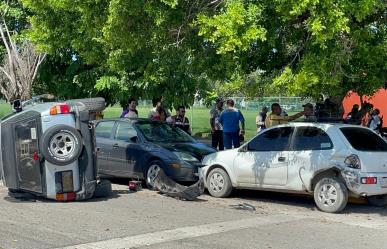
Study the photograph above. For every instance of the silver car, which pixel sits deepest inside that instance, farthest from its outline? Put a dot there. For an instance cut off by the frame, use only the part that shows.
(48, 149)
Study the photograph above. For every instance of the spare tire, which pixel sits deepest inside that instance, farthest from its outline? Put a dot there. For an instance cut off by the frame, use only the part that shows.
(92, 104)
(61, 145)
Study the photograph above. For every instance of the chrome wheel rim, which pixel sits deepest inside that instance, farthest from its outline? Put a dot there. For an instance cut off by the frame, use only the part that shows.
(217, 182)
(327, 195)
(153, 171)
(62, 145)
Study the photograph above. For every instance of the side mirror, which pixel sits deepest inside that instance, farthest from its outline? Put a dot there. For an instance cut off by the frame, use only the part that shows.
(244, 148)
(133, 139)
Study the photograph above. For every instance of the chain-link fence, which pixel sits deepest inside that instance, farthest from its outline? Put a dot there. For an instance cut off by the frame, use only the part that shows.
(290, 104)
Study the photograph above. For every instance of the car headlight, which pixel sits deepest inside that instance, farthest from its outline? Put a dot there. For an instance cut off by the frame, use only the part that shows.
(185, 157)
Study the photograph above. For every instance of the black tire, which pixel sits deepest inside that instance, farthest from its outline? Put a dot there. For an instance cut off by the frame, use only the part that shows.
(219, 183)
(103, 189)
(330, 194)
(378, 200)
(92, 104)
(55, 138)
(148, 180)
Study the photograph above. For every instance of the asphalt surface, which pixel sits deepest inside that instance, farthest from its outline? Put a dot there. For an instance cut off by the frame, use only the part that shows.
(146, 219)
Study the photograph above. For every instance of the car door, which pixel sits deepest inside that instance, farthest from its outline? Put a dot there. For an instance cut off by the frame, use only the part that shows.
(125, 149)
(104, 138)
(265, 159)
(311, 150)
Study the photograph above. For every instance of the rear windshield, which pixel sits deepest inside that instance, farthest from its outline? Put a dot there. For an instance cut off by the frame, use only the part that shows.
(363, 139)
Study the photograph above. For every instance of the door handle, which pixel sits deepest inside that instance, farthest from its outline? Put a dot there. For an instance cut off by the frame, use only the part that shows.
(281, 159)
(115, 145)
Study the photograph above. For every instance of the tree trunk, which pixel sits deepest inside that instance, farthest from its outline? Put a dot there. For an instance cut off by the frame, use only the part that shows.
(19, 68)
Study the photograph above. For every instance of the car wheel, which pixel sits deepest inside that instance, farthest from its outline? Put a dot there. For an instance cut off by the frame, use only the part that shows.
(219, 183)
(151, 173)
(61, 145)
(103, 189)
(378, 200)
(91, 104)
(330, 195)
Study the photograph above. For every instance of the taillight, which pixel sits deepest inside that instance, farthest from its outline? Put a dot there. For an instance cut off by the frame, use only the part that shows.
(368, 180)
(66, 196)
(60, 109)
(353, 161)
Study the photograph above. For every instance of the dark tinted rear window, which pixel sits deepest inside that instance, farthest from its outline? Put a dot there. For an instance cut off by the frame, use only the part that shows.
(363, 139)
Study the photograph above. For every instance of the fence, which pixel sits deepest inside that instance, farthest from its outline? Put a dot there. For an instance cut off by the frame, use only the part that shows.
(290, 104)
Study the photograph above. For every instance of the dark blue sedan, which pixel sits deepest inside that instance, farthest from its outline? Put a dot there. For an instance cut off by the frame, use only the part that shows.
(139, 148)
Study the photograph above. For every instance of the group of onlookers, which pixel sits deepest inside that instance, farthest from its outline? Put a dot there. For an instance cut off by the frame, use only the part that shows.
(159, 113)
(228, 124)
(366, 116)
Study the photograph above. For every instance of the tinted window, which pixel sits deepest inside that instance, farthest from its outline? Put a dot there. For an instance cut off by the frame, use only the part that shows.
(312, 138)
(125, 131)
(363, 139)
(104, 129)
(276, 139)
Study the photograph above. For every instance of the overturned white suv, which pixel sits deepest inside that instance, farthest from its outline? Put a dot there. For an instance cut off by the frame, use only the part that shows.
(330, 161)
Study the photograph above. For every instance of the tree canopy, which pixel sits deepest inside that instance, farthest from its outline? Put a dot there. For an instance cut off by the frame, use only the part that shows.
(181, 49)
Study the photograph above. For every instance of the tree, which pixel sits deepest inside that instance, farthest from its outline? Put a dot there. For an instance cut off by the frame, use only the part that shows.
(310, 47)
(21, 61)
(182, 49)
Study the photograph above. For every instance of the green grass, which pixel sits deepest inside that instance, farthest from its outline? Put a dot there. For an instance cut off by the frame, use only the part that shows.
(199, 119)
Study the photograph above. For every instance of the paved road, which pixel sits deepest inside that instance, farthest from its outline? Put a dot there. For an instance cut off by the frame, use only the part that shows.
(148, 220)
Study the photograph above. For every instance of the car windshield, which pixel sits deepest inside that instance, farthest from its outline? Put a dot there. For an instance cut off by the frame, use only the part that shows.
(162, 132)
(363, 139)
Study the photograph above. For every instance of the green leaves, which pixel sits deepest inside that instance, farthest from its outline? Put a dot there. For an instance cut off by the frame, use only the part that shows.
(234, 29)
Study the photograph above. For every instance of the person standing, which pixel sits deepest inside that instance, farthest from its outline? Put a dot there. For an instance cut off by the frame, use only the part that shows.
(275, 117)
(230, 118)
(260, 119)
(158, 112)
(216, 127)
(354, 116)
(180, 120)
(375, 121)
(309, 113)
(131, 111)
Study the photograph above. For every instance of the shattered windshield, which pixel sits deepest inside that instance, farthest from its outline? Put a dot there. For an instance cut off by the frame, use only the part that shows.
(162, 132)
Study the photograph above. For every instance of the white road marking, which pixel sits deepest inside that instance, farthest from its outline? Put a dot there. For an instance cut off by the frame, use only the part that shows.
(184, 233)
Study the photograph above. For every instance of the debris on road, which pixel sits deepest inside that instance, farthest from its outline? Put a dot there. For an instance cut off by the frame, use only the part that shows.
(167, 186)
(244, 206)
(135, 186)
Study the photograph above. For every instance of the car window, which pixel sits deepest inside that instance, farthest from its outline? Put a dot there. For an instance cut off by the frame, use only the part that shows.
(312, 138)
(161, 132)
(104, 129)
(125, 131)
(363, 139)
(276, 139)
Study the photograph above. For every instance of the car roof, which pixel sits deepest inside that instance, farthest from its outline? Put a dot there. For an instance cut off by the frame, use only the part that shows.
(131, 120)
(319, 125)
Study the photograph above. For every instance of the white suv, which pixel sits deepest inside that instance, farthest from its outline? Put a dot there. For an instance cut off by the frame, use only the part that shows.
(329, 160)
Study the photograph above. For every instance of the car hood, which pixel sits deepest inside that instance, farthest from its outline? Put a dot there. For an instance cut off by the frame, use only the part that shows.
(198, 150)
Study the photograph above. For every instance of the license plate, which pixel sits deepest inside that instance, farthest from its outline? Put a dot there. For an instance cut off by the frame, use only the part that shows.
(383, 182)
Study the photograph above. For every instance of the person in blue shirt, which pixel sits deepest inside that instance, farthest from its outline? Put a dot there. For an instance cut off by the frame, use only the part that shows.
(230, 119)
